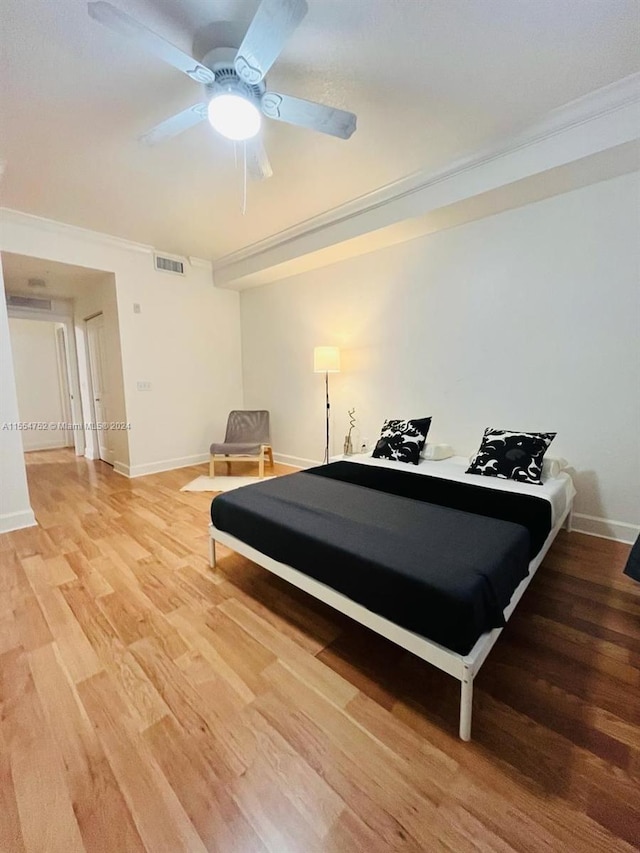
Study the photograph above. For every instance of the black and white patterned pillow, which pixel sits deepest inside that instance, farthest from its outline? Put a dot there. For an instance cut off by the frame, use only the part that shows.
(511, 455)
(402, 441)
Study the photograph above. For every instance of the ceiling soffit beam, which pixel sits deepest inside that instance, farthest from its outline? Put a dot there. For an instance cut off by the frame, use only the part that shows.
(611, 163)
(602, 121)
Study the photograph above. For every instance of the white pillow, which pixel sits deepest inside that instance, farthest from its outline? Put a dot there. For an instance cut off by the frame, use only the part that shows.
(552, 466)
(436, 452)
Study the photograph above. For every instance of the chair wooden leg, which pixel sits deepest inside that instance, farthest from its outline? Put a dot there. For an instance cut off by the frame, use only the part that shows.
(228, 469)
(212, 466)
(261, 466)
(270, 455)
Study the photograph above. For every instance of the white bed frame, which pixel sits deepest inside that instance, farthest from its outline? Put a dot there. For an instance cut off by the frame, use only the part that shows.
(463, 667)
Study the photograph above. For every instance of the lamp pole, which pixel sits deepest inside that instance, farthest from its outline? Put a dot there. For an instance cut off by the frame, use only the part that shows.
(326, 384)
(326, 360)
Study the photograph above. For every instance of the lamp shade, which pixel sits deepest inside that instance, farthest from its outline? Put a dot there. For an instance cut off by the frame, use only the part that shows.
(326, 360)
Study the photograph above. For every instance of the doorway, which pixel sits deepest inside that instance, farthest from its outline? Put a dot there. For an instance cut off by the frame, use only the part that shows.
(42, 378)
(97, 358)
(71, 295)
(64, 375)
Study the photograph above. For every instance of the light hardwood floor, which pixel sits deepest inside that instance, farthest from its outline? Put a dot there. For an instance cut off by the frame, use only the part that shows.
(147, 703)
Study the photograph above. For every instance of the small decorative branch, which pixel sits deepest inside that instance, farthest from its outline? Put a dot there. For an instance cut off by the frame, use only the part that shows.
(352, 421)
(348, 447)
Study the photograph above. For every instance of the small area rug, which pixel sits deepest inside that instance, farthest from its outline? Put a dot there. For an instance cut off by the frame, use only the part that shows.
(221, 484)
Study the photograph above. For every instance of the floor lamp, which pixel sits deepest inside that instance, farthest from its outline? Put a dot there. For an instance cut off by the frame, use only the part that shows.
(326, 360)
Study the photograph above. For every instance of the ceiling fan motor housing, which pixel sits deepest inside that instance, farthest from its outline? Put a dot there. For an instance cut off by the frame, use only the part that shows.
(227, 82)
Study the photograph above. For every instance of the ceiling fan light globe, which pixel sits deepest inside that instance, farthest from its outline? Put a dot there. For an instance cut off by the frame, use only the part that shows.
(234, 116)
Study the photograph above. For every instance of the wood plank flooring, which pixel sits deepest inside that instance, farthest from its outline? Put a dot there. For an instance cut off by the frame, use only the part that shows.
(150, 704)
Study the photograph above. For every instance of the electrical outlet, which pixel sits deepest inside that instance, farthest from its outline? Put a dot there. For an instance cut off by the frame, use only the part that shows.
(364, 445)
(136, 308)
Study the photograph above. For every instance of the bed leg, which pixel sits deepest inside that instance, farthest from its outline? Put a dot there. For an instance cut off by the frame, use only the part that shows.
(466, 706)
(212, 552)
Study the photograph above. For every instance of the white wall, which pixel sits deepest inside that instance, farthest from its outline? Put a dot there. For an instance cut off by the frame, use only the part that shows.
(185, 341)
(35, 363)
(525, 320)
(15, 509)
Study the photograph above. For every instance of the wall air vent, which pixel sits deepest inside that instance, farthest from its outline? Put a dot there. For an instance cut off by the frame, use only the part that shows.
(14, 301)
(165, 264)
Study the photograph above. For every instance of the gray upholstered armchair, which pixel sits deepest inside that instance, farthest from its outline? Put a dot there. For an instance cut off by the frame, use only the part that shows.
(247, 440)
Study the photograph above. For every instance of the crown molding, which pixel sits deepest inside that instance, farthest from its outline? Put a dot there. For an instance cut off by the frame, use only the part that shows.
(605, 165)
(618, 96)
(200, 263)
(19, 217)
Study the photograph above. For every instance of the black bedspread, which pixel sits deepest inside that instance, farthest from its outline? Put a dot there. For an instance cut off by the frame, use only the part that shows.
(444, 573)
(532, 512)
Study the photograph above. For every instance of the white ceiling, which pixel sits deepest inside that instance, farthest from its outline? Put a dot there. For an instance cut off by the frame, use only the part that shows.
(430, 80)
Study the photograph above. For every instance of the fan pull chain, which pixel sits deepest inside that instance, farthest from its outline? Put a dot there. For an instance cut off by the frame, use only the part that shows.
(244, 179)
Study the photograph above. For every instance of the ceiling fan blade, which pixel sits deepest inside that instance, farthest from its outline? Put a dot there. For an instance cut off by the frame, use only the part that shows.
(124, 24)
(258, 165)
(272, 25)
(308, 114)
(175, 125)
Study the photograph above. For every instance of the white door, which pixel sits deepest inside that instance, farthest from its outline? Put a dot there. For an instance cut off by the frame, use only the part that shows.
(98, 371)
(66, 397)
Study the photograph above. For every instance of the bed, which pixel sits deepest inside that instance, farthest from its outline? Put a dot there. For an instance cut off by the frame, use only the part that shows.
(432, 558)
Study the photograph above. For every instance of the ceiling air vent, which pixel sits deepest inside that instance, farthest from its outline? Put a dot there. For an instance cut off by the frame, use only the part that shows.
(165, 264)
(28, 302)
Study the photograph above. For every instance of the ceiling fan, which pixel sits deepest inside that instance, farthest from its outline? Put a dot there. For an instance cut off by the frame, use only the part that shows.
(235, 95)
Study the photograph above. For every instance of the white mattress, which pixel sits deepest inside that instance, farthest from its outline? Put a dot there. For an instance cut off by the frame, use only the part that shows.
(559, 491)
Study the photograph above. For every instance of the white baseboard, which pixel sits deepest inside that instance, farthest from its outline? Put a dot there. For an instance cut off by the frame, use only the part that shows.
(295, 461)
(36, 447)
(605, 528)
(133, 471)
(17, 520)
